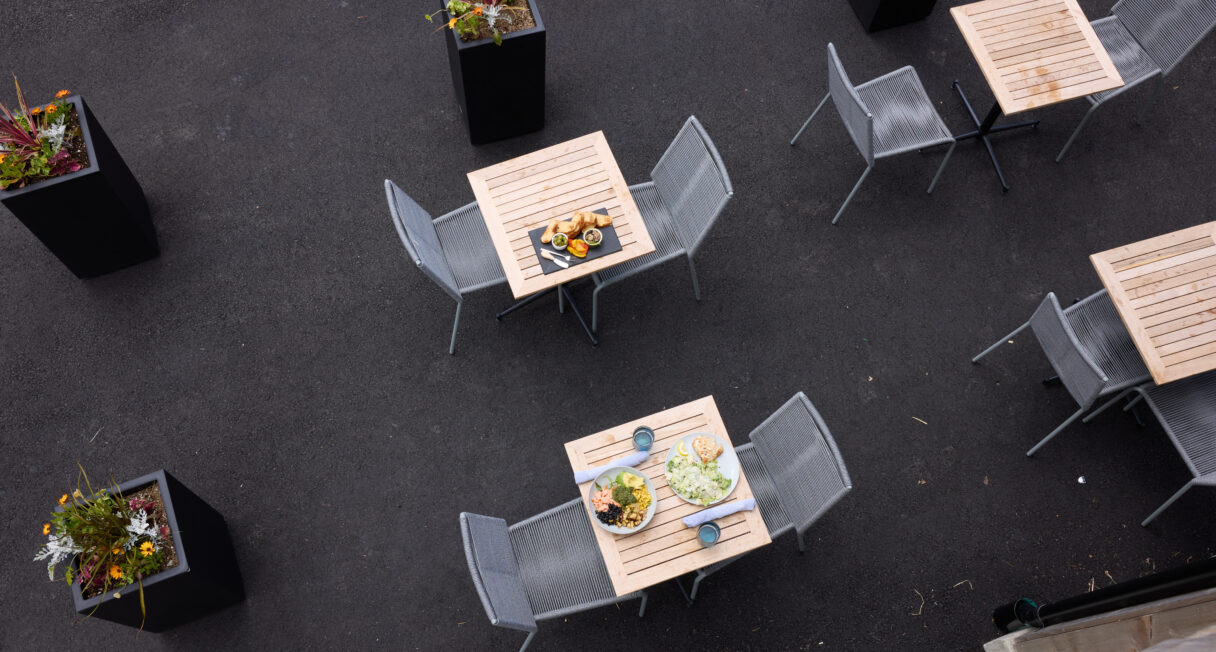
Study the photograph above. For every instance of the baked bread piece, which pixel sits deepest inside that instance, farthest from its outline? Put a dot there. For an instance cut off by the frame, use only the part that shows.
(569, 228)
(707, 447)
(602, 220)
(547, 236)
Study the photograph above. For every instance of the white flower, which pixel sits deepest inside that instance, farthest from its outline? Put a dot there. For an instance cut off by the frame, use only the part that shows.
(140, 528)
(59, 550)
(55, 135)
(492, 13)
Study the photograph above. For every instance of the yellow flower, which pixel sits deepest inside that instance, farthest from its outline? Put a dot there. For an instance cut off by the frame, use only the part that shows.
(146, 548)
(116, 572)
(451, 23)
(1, 158)
(51, 109)
(62, 93)
(479, 11)
(77, 494)
(63, 499)
(116, 551)
(46, 528)
(36, 110)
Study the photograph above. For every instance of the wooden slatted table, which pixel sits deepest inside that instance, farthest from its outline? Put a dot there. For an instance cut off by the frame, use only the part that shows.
(665, 548)
(1033, 53)
(1165, 291)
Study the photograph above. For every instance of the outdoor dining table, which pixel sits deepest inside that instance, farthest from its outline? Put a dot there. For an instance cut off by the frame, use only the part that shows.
(524, 193)
(1033, 53)
(665, 549)
(1165, 291)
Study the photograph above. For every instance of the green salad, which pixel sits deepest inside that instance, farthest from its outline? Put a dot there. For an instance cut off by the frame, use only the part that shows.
(702, 483)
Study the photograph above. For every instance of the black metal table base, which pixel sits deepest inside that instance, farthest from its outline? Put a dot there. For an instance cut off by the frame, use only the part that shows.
(985, 127)
(569, 299)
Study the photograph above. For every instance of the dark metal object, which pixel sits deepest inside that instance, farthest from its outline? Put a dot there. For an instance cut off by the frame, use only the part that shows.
(1158, 586)
(95, 220)
(205, 579)
(883, 14)
(500, 88)
(569, 298)
(986, 127)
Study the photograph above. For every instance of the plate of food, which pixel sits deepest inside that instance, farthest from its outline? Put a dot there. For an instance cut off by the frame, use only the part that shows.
(623, 500)
(701, 468)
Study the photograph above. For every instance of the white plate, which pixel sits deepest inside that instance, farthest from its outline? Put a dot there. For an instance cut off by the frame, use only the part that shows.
(728, 462)
(606, 478)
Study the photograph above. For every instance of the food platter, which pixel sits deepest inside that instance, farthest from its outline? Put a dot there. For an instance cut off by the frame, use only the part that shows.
(728, 464)
(605, 479)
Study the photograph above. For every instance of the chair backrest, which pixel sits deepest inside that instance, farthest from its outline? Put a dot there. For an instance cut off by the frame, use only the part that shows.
(1167, 29)
(803, 461)
(693, 183)
(856, 115)
(417, 231)
(487, 547)
(1073, 364)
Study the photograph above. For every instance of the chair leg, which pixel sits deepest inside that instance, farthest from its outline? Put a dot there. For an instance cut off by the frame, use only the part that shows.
(999, 342)
(1107, 404)
(1055, 432)
(696, 287)
(455, 324)
(854, 192)
(1169, 502)
(1132, 403)
(801, 545)
(561, 302)
(595, 308)
(692, 595)
(808, 120)
(1076, 131)
(642, 608)
(942, 167)
(527, 641)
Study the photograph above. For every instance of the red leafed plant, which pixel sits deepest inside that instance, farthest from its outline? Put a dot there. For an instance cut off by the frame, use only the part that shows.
(34, 142)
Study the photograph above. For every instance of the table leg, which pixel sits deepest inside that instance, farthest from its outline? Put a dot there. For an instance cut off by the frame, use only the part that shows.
(986, 127)
(578, 313)
(521, 303)
(562, 292)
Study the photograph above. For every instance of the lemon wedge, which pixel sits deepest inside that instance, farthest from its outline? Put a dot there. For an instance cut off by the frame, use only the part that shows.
(681, 450)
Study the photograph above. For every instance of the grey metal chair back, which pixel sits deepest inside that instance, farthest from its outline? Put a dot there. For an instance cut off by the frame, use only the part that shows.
(1167, 29)
(416, 228)
(803, 461)
(495, 571)
(692, 181)
(853, 111)
(1071, 361)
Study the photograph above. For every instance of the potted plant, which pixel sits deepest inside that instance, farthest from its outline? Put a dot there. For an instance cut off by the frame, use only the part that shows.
(882, 14)
(146, 553)
(65, 181)
(496, 49)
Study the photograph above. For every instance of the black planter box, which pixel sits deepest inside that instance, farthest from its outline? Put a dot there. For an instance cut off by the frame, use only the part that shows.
(205, 579)
(881, 14)
(95, 219)
(501, 88)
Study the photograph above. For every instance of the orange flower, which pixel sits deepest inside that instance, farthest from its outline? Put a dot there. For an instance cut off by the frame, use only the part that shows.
(116, 551)
(63, 93)
(116, 572)
(479, 11)
(2, 158)
(451, 23)
(63, 499)
(51, 109)
(46, 527)
(36, 110)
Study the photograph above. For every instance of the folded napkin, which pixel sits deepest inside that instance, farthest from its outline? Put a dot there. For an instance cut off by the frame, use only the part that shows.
(587, 475)
(706, 515)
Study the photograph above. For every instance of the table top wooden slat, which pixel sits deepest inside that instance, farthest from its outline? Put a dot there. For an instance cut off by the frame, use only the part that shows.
(524, 193)
(1035, 53)
(665, 548)
(1165, 291)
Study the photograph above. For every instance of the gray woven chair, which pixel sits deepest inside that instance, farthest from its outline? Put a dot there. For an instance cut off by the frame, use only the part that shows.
(795, 471)
(1089, 348)
(885, 116)
(688, 189)
(543, 567)
(1146, 38)
(1186, 409)
(454, 250)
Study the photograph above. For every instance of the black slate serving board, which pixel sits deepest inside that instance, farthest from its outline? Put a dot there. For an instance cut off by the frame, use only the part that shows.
(611, 244)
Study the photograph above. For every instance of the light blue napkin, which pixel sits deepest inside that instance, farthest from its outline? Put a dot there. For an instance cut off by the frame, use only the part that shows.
(587, 475)
(706, 515)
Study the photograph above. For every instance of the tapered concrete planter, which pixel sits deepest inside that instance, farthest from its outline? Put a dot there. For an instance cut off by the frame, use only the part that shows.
(95, 220)
(500, 88)
(205, 579)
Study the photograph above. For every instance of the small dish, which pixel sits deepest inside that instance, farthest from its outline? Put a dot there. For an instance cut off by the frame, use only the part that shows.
(593, 237)
(560, 241)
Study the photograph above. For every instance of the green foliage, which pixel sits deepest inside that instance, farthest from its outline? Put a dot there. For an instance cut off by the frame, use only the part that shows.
(32, 141)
